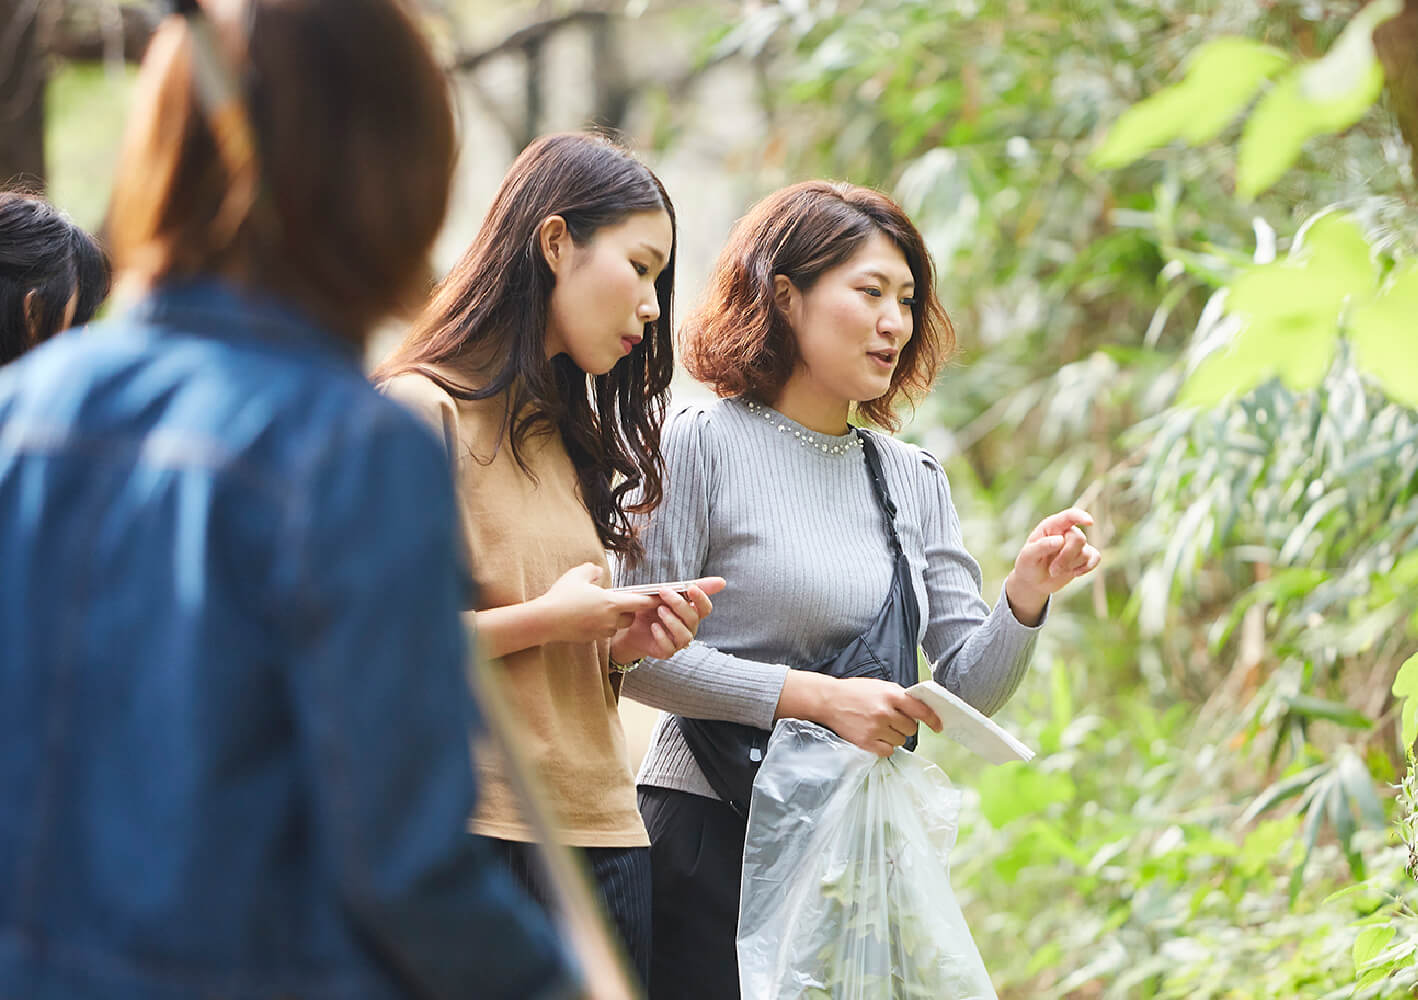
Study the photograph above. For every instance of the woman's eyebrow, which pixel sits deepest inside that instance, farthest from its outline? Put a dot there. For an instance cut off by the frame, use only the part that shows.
(654, 251)
(881, 276)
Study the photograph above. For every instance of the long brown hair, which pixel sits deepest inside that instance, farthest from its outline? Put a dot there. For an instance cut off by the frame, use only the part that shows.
(354, 149)
(738, 340)
(488, 320)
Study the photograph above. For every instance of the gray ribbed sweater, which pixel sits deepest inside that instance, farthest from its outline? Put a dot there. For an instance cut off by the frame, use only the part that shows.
(788, 517)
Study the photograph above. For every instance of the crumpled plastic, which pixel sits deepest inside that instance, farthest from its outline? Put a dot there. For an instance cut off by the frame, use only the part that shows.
(846, 877)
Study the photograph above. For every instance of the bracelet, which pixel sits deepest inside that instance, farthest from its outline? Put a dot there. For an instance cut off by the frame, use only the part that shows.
(625, 668)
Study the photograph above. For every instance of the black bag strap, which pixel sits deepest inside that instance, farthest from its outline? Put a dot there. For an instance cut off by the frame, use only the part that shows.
(878, 482)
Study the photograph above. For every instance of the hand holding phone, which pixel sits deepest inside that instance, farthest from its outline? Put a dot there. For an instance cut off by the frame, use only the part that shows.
(709, 584)
(671, 624)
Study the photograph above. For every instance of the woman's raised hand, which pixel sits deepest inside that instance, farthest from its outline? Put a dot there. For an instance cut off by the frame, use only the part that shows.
(668, 626)
(1056, 552)
(578, 609)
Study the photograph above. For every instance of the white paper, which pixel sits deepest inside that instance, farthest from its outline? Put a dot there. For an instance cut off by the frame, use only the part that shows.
(964, 724)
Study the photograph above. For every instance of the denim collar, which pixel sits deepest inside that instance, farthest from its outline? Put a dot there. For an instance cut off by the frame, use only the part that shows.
(207, 307)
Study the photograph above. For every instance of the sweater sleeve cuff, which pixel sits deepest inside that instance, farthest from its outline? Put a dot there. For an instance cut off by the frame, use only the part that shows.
(701, 682)
(1004, 612)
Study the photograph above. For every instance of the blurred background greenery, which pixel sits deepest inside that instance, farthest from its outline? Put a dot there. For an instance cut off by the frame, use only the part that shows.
(1177, 238)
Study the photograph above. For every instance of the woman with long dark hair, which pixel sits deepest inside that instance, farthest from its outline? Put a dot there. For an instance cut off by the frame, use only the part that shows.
(544, 361)
(53, 275)
(843, 545)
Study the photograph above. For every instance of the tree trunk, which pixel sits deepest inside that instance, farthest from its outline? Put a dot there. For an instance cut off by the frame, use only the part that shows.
(22, 80)
(1397, 44)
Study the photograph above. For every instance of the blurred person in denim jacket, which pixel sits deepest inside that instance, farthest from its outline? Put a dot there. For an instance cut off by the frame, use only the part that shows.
(233, 715)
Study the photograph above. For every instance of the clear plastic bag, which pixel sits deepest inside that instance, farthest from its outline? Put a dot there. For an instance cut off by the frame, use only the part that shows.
(846, 881)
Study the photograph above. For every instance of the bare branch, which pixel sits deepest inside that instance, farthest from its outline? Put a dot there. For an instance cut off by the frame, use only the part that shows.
(115, 32)
(530, 36)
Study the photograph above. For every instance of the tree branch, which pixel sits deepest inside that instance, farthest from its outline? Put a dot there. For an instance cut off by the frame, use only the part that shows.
(531, 35)
(100, 35)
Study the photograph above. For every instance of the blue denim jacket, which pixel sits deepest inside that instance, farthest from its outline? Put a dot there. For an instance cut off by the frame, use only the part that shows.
(233, 718)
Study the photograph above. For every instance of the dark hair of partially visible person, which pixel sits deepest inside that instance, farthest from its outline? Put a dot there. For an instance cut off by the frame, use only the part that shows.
(45, 261)
(354, 150)
(488, 320)
(94, 273)
(737, 339)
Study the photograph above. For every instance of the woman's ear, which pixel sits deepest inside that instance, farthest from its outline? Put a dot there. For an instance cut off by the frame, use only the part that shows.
(554, 240)
(785, 294)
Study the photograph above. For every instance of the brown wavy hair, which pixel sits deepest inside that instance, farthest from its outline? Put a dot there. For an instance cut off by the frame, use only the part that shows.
(347, 184)
(738, 340)
(488, 319)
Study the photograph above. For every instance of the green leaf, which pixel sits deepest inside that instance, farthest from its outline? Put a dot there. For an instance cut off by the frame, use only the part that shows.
(1147, 125)
(1222, 76)
(1236, 369)
(1292, 307)
(1367, 946)
(1405, 688)
(1333, 711)
(1384, 337)
(1017, 790)
(1330, 262)
(1327, 95)
(1281, 790)
(1303, 350)
(1299, 349)
(1274, 135)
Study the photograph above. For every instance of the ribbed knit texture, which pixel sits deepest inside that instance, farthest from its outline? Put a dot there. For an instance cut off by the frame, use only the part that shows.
(796, 530)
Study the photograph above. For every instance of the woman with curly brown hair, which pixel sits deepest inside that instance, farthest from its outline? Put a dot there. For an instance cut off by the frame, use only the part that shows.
(543, 362)
(821, 309)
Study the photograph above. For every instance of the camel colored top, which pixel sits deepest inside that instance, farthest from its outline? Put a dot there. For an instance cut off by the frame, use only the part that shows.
(522, 533)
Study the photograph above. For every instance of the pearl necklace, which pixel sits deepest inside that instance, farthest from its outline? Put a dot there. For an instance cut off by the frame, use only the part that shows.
(852, 443)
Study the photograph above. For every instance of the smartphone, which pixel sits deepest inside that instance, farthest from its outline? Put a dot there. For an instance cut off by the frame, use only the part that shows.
(679, 587)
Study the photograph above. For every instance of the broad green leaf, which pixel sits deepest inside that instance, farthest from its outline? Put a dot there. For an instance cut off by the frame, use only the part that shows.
(1236, 369)
(1405, 688)
(1222, 76)
(1303, 350)
(1333, 249)
(1367, 946)
(1298, 349)
(1328, 95)
(1274, 135)
(1147, 125)
(1385, 337)
(1372, 978)
(1293, 308)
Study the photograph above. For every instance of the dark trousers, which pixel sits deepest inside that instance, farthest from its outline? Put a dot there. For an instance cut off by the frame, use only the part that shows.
(621, 875)
(696, 858)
